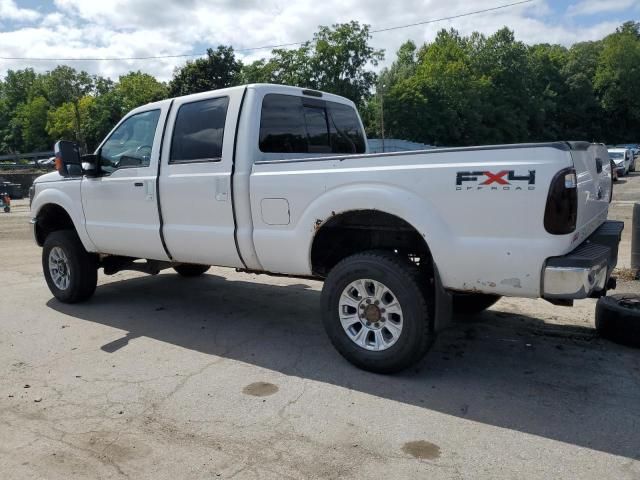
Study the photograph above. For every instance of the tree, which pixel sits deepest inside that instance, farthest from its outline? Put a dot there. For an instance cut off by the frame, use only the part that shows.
(616, 82)
(137, 88)
(30, 120)
(61, 121)
(219, 69)
(547, 89)
(338, 60)
(341, 60)
(64, 84)
(15, 91)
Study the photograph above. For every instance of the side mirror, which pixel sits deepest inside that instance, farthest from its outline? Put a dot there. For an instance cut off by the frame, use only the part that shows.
(67, 159)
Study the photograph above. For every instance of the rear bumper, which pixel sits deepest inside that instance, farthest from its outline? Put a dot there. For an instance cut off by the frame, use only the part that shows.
(585, 271)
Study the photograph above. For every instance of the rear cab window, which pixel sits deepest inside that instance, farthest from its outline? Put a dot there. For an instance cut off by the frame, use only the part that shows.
(293, 124)
(199, 131)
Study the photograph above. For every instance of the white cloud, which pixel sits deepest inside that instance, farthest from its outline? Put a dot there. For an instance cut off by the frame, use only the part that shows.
(593, 7)
(10, 11)
(128, 28)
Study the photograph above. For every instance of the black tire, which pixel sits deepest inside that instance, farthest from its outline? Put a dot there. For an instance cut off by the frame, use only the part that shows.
(82, 266)
(191, 269)
(7, 209)
(618, 319)
(473, 303)
(408, 285)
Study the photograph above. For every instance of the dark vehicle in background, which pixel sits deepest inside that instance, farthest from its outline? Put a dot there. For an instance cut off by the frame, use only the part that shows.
(14, 190)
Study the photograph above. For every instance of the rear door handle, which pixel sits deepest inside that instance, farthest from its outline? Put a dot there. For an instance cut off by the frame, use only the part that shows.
(138, 184)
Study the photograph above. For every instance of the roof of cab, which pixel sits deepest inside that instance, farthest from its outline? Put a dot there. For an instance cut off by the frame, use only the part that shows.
(264, 87)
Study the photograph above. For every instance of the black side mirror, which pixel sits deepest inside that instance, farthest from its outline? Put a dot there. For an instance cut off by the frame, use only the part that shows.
(67, 159)
(90, 164)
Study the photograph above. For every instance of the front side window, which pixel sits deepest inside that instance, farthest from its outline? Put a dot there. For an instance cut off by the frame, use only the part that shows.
(292, 124)
(199, 131)
(131, 144)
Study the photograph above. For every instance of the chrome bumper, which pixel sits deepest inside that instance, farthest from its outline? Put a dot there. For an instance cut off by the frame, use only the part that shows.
(585, 271)
(574, 283)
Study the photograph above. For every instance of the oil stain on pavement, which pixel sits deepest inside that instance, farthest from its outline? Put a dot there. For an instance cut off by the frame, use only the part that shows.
(422, 449)
(260, 389)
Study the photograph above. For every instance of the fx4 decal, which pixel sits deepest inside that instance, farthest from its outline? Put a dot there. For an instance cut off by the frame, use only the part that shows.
(502, 180)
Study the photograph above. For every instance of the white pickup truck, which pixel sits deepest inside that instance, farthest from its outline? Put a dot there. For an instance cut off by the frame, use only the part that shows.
(276, 179)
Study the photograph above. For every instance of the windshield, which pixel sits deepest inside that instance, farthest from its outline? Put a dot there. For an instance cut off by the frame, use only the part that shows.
(616, 155)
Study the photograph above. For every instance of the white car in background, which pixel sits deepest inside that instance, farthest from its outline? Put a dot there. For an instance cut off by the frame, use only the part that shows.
(622, 157)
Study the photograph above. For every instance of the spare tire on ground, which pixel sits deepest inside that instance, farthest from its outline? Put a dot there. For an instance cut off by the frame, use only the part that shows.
(618, 318)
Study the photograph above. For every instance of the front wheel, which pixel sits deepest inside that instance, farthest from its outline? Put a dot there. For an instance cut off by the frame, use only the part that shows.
(70, 271)
(376, 312)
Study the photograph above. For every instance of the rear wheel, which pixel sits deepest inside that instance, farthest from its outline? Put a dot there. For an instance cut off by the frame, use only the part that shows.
(70, 271)
(376, 313)
(472, 303)
(191, 269)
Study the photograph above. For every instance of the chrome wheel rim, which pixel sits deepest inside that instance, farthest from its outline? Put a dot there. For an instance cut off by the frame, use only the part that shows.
(370, 314)
(59, 268)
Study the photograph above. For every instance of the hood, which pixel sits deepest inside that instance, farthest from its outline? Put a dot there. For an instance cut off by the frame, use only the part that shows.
(49, 177)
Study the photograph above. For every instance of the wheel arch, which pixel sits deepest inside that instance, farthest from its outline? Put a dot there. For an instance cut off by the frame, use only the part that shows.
(353, 231)
(54, 209)
(389, 206)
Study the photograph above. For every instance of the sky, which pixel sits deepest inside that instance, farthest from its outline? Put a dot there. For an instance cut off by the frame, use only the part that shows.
(134, 28)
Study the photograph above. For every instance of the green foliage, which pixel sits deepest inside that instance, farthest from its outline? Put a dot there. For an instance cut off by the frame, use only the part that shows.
(61, 121)
(30, 120)
(483, 90)
(617, 81)
(137, 88)
(338, 60)
(219, 69)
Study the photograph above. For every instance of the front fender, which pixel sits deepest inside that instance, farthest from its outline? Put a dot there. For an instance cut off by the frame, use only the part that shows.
(65, 194)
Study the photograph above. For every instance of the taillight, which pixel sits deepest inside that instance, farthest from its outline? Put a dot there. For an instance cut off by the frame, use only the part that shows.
(561, 213)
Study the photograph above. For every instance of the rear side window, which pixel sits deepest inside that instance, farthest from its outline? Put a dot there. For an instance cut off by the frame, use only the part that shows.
(291, 124)
(199, 131)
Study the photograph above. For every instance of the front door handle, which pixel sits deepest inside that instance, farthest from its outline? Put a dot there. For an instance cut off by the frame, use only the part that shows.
(138, 184)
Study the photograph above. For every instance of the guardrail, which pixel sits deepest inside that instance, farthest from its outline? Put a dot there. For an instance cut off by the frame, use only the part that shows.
(26, 156)
(31, 166)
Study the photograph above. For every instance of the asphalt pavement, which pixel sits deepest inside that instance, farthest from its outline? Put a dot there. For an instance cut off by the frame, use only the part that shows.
(231, 376)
